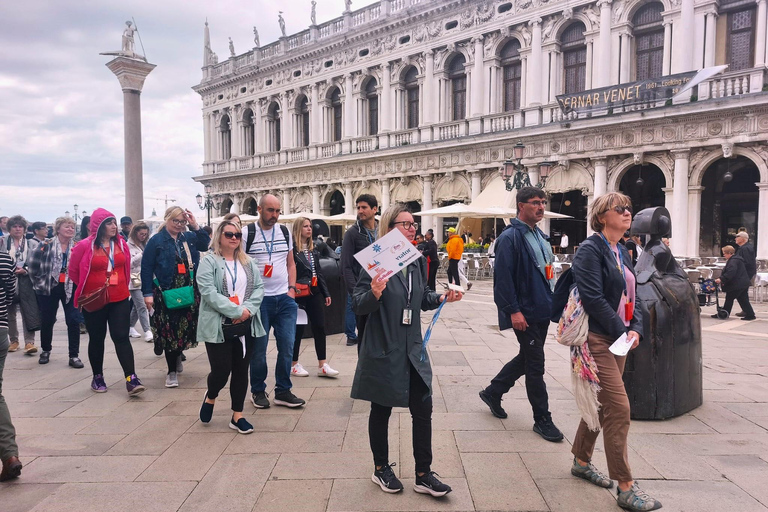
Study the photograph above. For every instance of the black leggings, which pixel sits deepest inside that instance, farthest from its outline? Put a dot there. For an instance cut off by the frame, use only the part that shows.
(421, 415)
(117, 316)
(226, 358)
(172, 359)
(313, 305)
(453, 272)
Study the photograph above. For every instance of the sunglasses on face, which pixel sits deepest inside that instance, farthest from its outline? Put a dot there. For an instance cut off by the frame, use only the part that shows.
(230, 235)
(621, 209)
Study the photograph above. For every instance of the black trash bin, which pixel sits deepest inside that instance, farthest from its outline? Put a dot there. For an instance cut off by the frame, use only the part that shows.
(330, 266)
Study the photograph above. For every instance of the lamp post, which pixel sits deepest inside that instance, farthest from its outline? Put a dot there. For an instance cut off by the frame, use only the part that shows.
(207, 202)
(514, 172)
(76, 217)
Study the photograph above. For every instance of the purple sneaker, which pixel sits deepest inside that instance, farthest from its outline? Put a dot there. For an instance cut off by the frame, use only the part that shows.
(134, 385)
(98, 384)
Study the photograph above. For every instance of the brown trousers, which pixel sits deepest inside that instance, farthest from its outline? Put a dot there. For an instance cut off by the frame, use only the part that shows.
(614, 412)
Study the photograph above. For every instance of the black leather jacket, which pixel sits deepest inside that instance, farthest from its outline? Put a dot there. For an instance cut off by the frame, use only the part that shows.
(304, 271)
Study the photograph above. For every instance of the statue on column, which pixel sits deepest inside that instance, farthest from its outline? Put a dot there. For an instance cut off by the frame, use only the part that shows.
(128, 43)
(313, 14)
(347, 5)
(256, 37)
(281, 22)
(231, 48)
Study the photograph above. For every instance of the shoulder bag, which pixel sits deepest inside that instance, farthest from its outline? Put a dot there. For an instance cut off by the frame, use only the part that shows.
(183, 296)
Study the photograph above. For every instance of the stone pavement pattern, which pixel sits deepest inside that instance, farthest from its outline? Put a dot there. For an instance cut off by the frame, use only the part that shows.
(88, 452)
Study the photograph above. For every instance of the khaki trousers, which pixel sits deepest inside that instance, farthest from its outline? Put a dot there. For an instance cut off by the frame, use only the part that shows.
(614, 412)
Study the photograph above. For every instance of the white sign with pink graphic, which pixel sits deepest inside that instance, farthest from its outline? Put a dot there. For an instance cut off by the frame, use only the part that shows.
(387, 255)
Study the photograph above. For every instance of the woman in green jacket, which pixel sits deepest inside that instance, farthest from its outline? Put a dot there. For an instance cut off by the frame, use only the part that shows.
(229, 320)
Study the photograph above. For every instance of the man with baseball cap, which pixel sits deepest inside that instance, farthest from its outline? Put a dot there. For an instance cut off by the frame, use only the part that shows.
(126, 223)
(455, 248)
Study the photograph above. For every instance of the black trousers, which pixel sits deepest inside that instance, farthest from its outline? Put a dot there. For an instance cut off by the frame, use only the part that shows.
(116, 316)
(313, 305)
(227, 358)
(529, 362)
(453, 272)
(742, 296)
(421, 415)
(432, 277)
(49, 308)
(361, 321)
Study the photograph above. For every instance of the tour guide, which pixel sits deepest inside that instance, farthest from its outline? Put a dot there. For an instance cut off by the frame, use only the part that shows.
(393, 369)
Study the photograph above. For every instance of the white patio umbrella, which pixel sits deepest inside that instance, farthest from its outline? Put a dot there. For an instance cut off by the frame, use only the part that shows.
(308, 215)
(462, 210)
(342, 219)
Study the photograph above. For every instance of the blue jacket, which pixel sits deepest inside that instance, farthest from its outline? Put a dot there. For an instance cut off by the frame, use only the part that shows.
(159, 259)
(519, 285)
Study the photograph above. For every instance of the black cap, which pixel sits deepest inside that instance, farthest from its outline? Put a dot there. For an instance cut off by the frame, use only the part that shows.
(126, 220)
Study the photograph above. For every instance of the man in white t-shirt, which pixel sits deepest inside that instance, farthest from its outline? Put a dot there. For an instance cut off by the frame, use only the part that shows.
(271, 245)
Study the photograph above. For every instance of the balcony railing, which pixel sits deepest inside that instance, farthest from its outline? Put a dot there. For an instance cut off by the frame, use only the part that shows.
(504, 122)
(270, 159)
(735, 83)
(366, 144)
(452, 130)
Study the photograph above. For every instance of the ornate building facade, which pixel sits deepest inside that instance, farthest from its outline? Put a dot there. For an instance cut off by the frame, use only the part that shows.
(421, 101)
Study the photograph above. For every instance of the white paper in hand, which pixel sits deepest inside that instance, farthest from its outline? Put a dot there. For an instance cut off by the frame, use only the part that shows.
(621, 346)
(387, 255)
(301, 317)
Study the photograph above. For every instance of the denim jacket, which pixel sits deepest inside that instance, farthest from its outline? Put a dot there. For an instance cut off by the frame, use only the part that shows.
(159, 259)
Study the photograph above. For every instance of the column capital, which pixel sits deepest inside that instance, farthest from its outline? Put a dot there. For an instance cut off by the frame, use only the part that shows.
(478, 39)
(429, 54)
(604, 3)
(428, 179)
(697, 189)
(535, 22)
(680, 154)
(758, 2)
(599, 161)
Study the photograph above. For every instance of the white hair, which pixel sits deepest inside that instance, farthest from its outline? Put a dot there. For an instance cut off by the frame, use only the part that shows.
(742, 234)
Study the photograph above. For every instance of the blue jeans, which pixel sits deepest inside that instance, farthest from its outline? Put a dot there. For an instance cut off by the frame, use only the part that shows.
(350, 321)
(279, 312)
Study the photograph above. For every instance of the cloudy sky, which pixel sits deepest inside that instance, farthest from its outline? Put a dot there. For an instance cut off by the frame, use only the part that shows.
(61, 109)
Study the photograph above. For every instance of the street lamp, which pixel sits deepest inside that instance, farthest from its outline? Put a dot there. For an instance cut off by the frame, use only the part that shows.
(76, 217)
(66, 213)
(207, 202)
(544, 168)
(515, 171)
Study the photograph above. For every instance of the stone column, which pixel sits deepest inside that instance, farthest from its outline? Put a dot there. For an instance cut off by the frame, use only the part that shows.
(258, 131)
(478, 98)
(535, 64)
(349, 108)
(680, 203)
(477, 183)
(626, 58)
(591, 63)
(235, 132)
(236, 199)
(316, 200)
(762, 221)
(384, 194)
(604, 66)
(286, 206)
(429, 80)
(694, 221)
(760, 42)
(207, 136)
(590, 200)
(349, 201)
(314, 116)
(131, 74)
(668, 199)
(426, 199)
(682, 57)
(385, 119)
(711, 40)
(601, 176)
(667, 56)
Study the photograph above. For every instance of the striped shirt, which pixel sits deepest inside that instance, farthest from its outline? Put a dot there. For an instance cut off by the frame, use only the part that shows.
(7, 287)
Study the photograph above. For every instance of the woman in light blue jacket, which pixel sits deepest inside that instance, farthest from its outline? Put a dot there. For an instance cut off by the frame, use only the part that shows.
(229, 320)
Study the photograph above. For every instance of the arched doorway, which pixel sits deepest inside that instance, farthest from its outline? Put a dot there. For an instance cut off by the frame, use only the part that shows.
(249, 207)
(728, 205)
(225, 206)
(337, 207)
(573, 203)
(644, 185)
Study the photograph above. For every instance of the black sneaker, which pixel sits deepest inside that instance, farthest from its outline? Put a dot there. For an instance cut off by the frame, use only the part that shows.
(45, 356)
(75, 362)
(241, 425)
(546, 429)
(351, 342)
(206, 410)
(494, 403)
(260, 400)
(288, 399)
(748, 318)
(386, 479)
(740, 314)
(429, 484)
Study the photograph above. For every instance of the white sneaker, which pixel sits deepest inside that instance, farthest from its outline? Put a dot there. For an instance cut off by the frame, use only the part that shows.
(298, 371)
(327, 371)
(133, 333)
(148, 337)
(171, 380)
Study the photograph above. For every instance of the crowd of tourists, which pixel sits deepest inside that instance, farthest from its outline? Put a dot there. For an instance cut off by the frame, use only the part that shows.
(228, 288)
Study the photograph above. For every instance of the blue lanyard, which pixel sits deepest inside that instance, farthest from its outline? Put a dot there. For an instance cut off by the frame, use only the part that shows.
(371, 238)
(620, 266)
(110, 254)
(429, 331)
(272, 243)
(233, 276)
(541, 246)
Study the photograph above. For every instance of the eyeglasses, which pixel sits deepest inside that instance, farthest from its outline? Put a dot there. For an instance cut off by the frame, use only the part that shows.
(537, 203)
(621, 209)
(230, 235)
(179, 222)
(407, 224)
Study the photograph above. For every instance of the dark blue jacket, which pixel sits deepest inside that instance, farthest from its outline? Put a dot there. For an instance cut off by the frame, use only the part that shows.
(518, 282)
(159, 259)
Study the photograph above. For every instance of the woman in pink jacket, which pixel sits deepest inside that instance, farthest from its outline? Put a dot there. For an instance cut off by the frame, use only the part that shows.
(104, 260)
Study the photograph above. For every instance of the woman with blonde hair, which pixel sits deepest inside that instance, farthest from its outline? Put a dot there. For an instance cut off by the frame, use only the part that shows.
(605, 278)
(137, 241)
(231, 291)
(310, 277)
(167, 283)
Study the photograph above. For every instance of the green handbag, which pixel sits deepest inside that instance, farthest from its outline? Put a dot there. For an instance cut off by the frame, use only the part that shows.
(184, 296)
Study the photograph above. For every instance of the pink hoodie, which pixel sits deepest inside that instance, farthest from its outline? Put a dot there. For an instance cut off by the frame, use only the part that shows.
(82, 253)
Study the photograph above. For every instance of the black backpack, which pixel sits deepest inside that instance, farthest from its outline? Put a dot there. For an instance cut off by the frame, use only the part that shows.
(252, 236)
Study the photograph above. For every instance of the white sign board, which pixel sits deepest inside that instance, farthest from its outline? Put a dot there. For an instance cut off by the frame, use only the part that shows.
(387, 255)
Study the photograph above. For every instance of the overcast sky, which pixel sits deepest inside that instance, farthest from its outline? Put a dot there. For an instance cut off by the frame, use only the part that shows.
(61, 109)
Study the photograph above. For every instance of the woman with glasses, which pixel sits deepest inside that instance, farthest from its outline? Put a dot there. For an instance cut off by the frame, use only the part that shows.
(231, 291)
(604, 275)
(308, 274)
(393, 368)
(137, 241)
(168, 263)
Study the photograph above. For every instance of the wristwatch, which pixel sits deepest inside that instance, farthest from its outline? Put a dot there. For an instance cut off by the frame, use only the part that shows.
(294, 288)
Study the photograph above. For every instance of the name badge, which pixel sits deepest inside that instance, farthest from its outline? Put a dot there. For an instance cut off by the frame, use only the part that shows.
(407, 316)
(182, 269)
(314, 281)
(629, 310)
(113, 279)
(62, 277)
(268, 270)
(550, 271)
(235, 300)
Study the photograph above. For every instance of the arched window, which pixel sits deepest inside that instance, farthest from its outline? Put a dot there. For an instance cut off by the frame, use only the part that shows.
(649, 41)
(458, 78)
(512, 72)
(337, 115)
(412, 97)
(574, 49)
(248, 133)
(273, 124)
(740, 42)
(303, 112)
(372, 98)
(225, 137)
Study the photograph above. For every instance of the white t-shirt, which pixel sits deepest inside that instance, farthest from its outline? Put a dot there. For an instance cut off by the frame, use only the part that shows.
(273, 241)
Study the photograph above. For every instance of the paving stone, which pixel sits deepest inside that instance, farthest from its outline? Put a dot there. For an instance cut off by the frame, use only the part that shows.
(319, 466)
(22, 497)
(458, 421)
(149, 496)
(125, 419)
(85, 469)
(282, 495)
(500, 481)
(49, 426)
(154, 436)
(189, 458)
(287, 442)
(50, 445)
(508, 441)
(448, 358)
(356, 437)
(362, 494)
(724, 421)
(574, 494)
(325, 416)
(701, 496)
(445, 455)
(749, 472)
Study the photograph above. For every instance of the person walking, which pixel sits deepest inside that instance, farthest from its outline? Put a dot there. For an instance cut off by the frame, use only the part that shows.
(393, 368)
(53, 285)
(126, 224)
(137, 241)
(523, 280)
(604, 275)
(455, 248)
(735, 282)
(40, 231)
(4, 226)
(25, 302)
(171, 257)
(270, 244)
(100, 268)
(85, 228)
(433, 261)
(309, 274)
(9, 451)
(231, 292)
(359, 236)
(747, 253)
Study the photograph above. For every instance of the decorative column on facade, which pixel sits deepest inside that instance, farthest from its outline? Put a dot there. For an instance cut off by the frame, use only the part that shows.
(682, 57)
(426, 199)
(314, 115)
(316, 200)
(668, 199)
(349, 108)
(626, 57)
(207, 137)
(236, 200)
(694, 221)
(429, 81)
(535, 63)
(477, 183)
(667, 55)
(478, 98)
(258, 129)
(384, 194)
(710, 40)
(385, 119)
(760, 35)
(236, 130)
(762, 221)
(680, 202)
(601, 176)
(604, 53)
(286, 206)
(349, 201)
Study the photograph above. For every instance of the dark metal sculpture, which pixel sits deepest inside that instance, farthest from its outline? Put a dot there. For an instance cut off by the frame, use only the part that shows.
(663, 375)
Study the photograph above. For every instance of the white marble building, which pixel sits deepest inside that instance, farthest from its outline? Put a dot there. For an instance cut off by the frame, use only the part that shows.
(422, 100)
